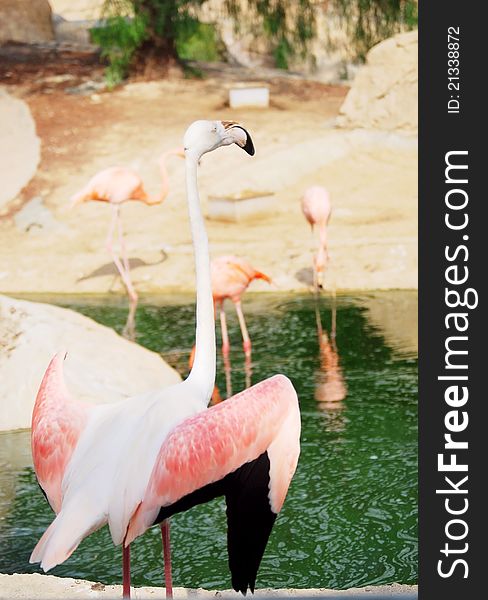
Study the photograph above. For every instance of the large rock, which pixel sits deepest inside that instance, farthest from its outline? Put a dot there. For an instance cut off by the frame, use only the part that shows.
(384, 93)
(27, 21)
(19, 146)
(100, 367)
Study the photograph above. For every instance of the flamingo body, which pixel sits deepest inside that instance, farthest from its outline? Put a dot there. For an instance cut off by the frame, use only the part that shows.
(316, 205)
(117, 185)
(231, 276)
(114, 185)
(110, 467)
(246, 449)
(316, 208)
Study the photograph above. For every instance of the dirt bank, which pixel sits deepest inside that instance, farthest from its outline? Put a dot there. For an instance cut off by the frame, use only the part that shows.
(371, 178)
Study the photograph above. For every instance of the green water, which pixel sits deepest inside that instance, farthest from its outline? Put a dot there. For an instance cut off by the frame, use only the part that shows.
(350, 518)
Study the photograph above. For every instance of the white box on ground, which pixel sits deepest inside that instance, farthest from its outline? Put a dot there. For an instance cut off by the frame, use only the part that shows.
(249, 96)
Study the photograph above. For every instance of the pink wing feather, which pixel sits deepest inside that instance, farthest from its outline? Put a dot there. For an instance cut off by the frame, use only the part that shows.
(210, 445)
(57, 422)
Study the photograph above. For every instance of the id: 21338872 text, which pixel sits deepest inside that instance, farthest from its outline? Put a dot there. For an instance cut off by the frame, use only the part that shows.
(453, 70)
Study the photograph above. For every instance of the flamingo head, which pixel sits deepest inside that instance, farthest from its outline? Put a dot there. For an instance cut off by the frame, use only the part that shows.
(205, 136)
(320, 262)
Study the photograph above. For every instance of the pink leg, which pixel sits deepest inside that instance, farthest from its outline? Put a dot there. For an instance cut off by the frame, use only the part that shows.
(168, 579)
(225, 351)
(123, 273)
(126, 572)
(228, 377)
(225, 334)
(248, 370)
(123, 249)
(246, 340)
(129, 330)
(127, 279)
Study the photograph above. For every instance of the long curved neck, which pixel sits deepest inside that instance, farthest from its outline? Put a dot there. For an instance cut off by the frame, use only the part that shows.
(161, 197)
(203, 370)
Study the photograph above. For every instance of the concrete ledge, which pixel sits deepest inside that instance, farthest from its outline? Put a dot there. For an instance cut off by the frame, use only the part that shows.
(47, 587)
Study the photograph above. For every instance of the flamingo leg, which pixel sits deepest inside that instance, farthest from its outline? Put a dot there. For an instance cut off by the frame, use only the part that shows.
(228, 377)
(248, 370)
(126, 572)
(123, 248)
(168, 579)
(246, 340)
(315, 277)
(225, 334)
(129, 330)
(225, 351)
(115, 258)
(127, 278)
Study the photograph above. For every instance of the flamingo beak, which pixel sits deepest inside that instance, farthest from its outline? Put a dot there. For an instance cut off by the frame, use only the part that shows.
(240, 136)
(320, 279)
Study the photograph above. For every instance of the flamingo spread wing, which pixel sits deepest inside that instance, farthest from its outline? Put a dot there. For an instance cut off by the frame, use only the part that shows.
(57, 422)
(245, 448)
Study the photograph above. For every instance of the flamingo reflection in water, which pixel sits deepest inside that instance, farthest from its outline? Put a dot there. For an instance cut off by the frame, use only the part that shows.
(330, 387)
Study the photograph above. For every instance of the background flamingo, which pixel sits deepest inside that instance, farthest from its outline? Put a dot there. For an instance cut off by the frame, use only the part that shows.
(317, 208)
(231, 277)
(101, 464)
(117, 185)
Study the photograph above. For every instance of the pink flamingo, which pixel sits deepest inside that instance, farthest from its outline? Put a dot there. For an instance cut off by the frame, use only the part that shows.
(136, 462)
(117, 185)
(231, 277)
(317, 208)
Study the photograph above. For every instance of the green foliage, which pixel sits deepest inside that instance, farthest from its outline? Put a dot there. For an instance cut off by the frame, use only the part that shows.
(119, 37)
(289, 26)
(371, 21)
(170, 28)
(202, 43)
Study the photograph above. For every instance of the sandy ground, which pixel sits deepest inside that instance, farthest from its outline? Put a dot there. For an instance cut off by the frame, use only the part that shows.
(371, 176)
(47, 586)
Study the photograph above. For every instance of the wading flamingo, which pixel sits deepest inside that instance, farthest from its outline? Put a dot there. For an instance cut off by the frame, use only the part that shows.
(231, 277)
(317, 208)
(117, 185)
(136, 462)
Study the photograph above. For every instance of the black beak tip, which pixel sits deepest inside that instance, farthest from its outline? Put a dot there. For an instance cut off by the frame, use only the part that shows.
(249, 146)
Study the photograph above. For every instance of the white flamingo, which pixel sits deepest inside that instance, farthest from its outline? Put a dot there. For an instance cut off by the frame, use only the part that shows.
(137, 462)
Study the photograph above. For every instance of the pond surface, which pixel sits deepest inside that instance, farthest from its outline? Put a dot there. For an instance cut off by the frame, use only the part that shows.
(350, 518)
